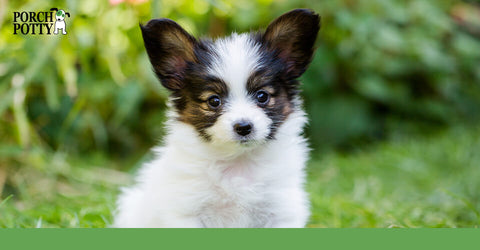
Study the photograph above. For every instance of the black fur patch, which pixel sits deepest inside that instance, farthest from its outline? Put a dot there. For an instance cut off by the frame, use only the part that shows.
(287, 49)
(272, 80)
(170, 49)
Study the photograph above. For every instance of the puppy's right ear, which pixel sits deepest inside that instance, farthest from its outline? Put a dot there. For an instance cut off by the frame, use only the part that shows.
(170, 49)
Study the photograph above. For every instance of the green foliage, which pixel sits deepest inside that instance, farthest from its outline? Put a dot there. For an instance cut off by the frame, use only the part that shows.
(383, 68)
(382, 65)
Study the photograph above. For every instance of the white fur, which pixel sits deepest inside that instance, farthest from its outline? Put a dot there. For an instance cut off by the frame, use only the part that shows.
(237, 58)
(222, 183)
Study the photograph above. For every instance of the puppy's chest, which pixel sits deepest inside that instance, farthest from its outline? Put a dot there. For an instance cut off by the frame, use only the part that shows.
(237, 196)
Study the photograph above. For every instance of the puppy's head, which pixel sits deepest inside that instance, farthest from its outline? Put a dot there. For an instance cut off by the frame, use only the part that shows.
(236, 90)
(60, 15)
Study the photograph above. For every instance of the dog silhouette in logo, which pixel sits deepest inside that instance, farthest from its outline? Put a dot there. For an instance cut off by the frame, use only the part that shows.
(60, 21)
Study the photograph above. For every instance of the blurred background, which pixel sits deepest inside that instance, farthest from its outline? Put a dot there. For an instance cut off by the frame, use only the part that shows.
(393, 97)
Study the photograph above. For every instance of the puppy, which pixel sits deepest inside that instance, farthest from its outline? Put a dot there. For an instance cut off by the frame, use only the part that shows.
(234, 154)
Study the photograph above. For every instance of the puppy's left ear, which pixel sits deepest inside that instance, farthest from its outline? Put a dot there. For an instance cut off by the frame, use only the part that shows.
(292, 37)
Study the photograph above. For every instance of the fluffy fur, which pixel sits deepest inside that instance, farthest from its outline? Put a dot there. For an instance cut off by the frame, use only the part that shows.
(234, 155)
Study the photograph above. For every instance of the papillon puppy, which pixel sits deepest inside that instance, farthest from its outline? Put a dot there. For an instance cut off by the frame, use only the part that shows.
(234, 154)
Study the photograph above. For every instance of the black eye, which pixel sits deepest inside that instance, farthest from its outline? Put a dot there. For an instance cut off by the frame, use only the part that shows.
(214, 101)
(262, 97)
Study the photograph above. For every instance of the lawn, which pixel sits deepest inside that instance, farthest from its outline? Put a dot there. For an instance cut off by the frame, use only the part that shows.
(424, 181)
(413, 181)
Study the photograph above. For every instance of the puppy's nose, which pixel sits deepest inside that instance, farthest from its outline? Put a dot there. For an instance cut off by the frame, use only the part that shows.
(243, 128)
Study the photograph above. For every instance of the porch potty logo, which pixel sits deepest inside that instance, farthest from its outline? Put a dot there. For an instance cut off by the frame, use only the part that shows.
(40, 23)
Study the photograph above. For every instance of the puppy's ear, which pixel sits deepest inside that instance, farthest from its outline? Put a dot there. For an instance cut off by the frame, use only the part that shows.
(292, 36)
(170, 49)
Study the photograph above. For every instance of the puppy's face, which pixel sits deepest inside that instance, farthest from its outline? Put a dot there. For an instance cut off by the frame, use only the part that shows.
(239, 89)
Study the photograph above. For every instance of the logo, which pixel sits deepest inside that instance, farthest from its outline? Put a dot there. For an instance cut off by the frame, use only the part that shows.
(40, 23)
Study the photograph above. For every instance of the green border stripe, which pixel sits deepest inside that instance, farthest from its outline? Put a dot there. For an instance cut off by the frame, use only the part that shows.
(240, 238)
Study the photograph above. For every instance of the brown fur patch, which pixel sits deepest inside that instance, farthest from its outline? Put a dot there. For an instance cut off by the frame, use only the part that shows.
(192, 104)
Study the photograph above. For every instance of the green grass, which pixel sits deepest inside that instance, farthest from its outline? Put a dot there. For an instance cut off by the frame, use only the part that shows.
(49, 190)
(410, 182)
(421, 181)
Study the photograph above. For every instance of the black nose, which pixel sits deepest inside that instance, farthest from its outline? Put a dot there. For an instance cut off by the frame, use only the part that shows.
(243, 128)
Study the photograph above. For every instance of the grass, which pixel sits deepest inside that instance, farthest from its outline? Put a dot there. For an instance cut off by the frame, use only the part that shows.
(421, 181)
(60, 192)
(409, 182)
